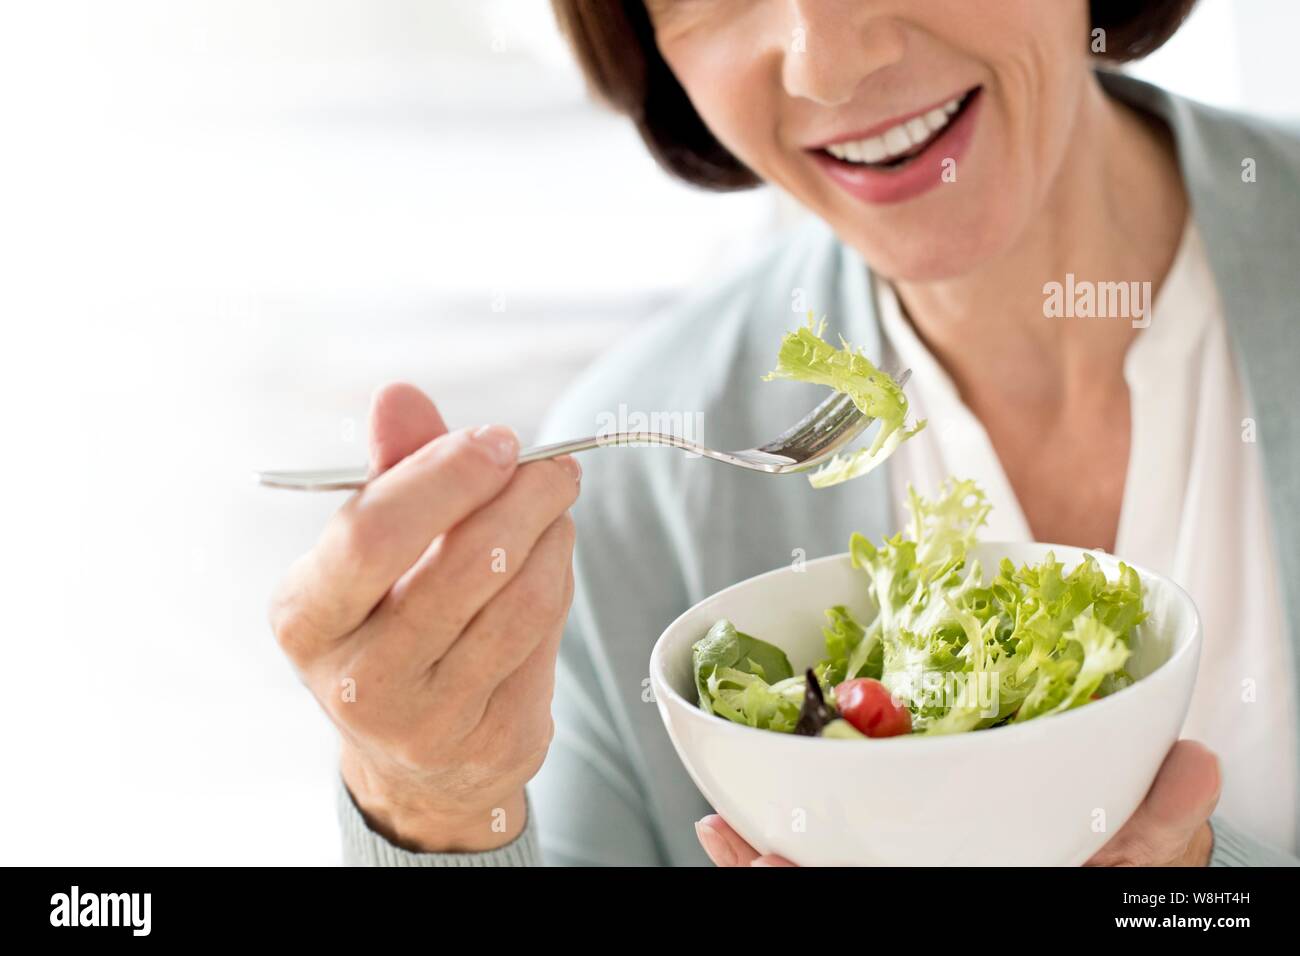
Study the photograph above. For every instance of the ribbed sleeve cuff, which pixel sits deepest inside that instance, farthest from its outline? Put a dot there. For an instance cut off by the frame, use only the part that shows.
(363, 847)
(1234, 848)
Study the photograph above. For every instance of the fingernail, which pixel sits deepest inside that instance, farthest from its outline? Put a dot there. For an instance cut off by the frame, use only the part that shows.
(500, 443)
(574, 468)
(759, 861)
(714, 845)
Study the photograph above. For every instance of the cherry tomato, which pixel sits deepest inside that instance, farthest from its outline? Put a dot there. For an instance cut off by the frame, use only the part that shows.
(868, 706)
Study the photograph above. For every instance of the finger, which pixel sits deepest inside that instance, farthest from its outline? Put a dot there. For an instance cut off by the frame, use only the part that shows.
(402, 420)
(383, 529)
(516, 723)
(532, 607)
(724, 845)
(1185, 791)
(467, 567)
(1184, 794)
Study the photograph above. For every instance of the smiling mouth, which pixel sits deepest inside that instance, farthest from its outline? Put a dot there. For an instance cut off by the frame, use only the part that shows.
(899, 145)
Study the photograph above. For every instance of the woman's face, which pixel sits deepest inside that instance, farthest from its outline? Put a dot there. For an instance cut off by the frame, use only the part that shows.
(927, 133)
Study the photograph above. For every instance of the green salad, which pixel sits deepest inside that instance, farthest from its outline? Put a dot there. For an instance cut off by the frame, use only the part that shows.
(806, 357)
(947, 650)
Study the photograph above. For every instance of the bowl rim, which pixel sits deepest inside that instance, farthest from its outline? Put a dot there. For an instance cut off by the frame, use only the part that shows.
(663, 689)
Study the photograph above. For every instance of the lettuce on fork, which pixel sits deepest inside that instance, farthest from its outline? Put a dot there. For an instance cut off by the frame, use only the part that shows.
(959, 652)
(806, 357)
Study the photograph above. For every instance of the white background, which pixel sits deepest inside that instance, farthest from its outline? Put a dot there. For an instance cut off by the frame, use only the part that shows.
(223, 223)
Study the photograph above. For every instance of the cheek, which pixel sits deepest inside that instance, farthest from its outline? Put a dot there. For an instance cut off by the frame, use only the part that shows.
(1040, 91)
(1038, 72)
(1034, 55)
(742, 120)
(1039, 62)
(734, 89)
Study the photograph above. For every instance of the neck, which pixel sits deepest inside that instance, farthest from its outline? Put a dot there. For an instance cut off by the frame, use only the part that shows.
(1114, 212)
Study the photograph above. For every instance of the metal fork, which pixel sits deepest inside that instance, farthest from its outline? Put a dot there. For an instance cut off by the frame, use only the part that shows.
(809, 442)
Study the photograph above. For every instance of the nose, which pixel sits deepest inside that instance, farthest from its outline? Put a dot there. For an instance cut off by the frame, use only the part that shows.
(835, 45)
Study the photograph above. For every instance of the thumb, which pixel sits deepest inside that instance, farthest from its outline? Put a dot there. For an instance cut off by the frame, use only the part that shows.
(1176, 807)
(402, 420)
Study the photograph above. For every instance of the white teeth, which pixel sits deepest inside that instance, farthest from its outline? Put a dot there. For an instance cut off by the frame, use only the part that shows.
(873, 150)
(870, 150)
(897, 139)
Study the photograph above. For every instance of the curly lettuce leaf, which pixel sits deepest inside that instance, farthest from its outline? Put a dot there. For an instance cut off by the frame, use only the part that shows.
(911, 572)
(805, 356)
(748, 699)
(851, 650)
(1092, 652)
(1040, 640)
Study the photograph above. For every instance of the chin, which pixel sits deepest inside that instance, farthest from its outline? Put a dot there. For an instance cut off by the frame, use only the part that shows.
(944, 242)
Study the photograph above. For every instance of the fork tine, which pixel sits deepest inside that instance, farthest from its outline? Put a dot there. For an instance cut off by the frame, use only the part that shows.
(832, 409)
(835, 422)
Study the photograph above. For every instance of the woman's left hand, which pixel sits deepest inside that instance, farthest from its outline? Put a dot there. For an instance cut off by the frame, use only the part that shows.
(1170, 828)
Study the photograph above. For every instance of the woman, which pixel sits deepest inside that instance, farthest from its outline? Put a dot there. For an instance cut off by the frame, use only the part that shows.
(960, 160)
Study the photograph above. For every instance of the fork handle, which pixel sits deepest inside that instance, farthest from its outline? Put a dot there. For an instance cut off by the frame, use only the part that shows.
(353, 479)
(555, 450)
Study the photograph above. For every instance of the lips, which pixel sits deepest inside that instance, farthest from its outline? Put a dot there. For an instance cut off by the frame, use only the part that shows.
(905, 159)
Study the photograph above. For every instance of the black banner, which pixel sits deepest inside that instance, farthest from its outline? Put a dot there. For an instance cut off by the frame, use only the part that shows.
(134, 906)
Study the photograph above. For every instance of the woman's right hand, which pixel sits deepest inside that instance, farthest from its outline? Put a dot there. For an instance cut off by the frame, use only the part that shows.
(426, 622)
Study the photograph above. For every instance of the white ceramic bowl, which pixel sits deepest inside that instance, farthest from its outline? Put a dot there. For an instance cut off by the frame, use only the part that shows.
(1049, 791)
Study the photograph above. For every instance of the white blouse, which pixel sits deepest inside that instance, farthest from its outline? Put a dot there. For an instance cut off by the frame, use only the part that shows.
(1194, 509)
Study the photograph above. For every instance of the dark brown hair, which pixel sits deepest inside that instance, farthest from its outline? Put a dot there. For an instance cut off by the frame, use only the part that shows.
(615, 46)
